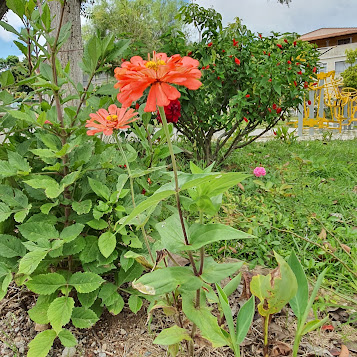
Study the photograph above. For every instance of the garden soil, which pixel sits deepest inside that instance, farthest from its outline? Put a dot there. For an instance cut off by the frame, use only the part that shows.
(128, 335)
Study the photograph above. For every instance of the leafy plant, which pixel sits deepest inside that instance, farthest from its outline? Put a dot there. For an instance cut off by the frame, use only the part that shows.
(301, 303)
(282, 133)
(250, 81)
(274, 291)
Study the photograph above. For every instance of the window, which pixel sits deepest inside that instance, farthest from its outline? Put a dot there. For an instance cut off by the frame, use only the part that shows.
(340, 66)
(323, 67)
(344, 41)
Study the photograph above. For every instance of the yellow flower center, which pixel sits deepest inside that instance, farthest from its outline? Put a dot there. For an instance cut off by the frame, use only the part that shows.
(154, 64)
(112, 117)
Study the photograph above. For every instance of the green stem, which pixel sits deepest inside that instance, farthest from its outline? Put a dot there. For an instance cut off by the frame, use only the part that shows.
(202, 249)
(266, 328)
(296, 345)
(177, 188)
(131, 181)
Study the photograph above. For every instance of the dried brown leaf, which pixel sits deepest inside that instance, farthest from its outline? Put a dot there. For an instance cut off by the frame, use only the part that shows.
(241, 186)
(281, 349)
(344, 351)
(346, 248)
(322, 234)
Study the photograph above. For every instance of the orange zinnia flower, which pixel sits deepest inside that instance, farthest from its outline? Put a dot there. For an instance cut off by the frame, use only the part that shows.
(137, 75)
(105, 121)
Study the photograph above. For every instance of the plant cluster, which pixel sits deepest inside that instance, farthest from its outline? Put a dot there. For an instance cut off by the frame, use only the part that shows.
(249, 82)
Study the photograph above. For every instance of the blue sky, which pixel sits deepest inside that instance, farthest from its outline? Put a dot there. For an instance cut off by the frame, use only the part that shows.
(259, 15)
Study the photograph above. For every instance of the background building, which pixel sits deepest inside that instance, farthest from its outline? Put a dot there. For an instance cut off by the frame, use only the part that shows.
(332, 44)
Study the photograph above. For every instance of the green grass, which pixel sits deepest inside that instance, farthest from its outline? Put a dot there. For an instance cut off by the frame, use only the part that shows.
(309, 187)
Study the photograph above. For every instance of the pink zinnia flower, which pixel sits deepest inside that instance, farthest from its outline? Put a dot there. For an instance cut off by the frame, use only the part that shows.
(259, 171)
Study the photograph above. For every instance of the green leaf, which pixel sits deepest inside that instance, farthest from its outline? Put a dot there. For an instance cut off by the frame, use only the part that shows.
(107, 243)
(85, 282)
(231, 287)
(214, 272)
(205, 321)
(129, 275)
(67, 339)
(117, 306)
(313, 325)
(38, 313)
(172, 335)
(87, 300)
(203, 234)
(135, 303)
(99, 188)
(70, 178)
(18, 162)
(6, 77)
(152, 201)
(245, 319)
(46, 208)
(41, 344)
(98, 224)
(83, 318)
(108, 293)
(165, 280)
(6, 170)
(11, 246)
(30, 261)
(82, 207)
(60, 311)
(50, 185)
(227, 312)
(5, 212)
(34, 231)
(71, 232)
(274, 291)
(46, 284)
(299, 302)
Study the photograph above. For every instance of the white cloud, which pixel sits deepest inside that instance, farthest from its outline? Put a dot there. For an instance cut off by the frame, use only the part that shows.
(301, 16)
(13, 20)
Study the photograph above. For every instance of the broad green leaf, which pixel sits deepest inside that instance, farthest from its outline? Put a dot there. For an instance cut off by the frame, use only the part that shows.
(87, 299)
(135, 303)
(30, 261)
(231, 287)
(299, 302)
(117, 306)
(205, 321)
(5, 212)
(98, 224)
(71, 232)
(227, 312)
(46, 284)
(46, 208)
(172, 335)
(83, 318)
(38, 313)
(152, 201)
(82, 207)
(67, 339)
(203, 234)
(70, 178)
(107, 243)
(91, 250)
(41, 344)
(313, 325)
(18, 162)
(129, 275)
(34, 231)
(108, 293)
(6, 170)
(85, 282)
(11, 246)
(214, 272)
(60, 311)
(99, 188)
(245, 319)
(276, 289)
(6, 77)
(50, 185)
(162, 281)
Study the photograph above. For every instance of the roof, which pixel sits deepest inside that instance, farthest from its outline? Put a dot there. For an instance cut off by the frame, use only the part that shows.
(328, 32)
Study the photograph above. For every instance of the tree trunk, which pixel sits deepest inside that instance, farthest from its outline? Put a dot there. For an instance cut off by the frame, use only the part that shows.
(3, 8)
(72, 50)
